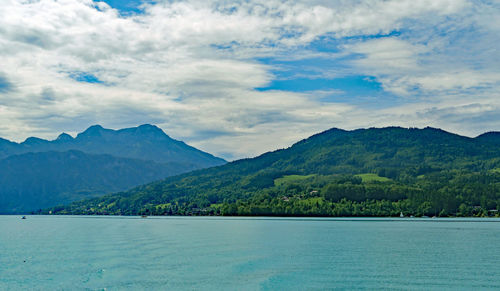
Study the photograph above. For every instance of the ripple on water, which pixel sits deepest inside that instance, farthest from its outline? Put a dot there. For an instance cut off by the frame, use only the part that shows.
(95, 253)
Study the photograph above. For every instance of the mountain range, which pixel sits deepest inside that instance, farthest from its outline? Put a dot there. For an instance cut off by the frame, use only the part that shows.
(364, 172)
(145, 142)
(39, 173)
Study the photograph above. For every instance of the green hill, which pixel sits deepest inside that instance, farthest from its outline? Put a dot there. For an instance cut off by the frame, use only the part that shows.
(365, 172)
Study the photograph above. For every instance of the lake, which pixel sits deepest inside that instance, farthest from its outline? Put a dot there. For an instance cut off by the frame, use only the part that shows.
(214, 253)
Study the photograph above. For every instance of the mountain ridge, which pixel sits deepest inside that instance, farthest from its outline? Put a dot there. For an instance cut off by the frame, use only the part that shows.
(147, 142)
(142, 154)
(430, 171)
(491, 136)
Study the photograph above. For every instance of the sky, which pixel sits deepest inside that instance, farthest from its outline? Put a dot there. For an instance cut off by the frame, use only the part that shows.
(239, 78)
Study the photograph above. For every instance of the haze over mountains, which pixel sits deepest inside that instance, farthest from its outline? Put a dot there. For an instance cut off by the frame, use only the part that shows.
(365, 172)
(38, 173)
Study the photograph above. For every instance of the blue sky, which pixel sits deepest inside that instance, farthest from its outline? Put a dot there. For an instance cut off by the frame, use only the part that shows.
(240, 78)
(128, 7)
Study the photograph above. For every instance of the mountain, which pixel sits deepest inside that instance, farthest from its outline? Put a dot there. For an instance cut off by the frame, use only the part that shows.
(145, 142)
(375, 172)
(38, 173)
(491, 137)
(33, 181)
(7, 147)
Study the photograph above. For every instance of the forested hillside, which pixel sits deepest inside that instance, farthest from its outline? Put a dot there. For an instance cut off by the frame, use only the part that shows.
(365, 172)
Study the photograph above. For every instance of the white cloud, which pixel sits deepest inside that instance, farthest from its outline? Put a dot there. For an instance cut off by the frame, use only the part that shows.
(191, 67)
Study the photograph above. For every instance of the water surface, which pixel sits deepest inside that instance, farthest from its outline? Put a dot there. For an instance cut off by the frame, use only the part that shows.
(212, 253)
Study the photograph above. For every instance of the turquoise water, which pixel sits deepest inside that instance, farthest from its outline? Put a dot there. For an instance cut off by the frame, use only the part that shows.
(175, 253)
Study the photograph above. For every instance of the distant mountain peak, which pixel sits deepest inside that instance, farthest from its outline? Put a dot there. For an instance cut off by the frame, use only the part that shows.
(94, 130)
(34, 140)
(95, 127)
(145, 131)
(64, 137)
(149, 128)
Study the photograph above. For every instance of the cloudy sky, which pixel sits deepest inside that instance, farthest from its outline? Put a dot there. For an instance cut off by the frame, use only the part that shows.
(238, 78)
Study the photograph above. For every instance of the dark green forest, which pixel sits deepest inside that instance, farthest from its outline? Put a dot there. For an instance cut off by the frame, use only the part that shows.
(365, 172)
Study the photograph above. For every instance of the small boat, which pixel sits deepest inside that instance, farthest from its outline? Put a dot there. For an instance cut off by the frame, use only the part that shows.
(144, 216)
(24, 217)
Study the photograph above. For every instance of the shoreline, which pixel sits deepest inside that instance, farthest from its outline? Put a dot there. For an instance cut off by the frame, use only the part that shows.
(277, 218)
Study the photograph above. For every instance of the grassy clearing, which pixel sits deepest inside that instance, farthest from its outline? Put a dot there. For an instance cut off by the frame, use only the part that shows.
(367, 178)
(162, 206)
(313, 200)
